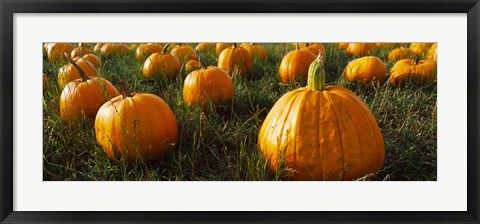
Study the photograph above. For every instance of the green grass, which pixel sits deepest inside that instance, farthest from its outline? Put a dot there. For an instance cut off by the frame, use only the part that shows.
(221, 144)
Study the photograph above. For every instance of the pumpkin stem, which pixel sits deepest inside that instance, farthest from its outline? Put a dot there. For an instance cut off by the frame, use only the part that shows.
(234, 45)
(164, 50)
(297, 46)
(317, 74)
(415, 60)
(80, 70)
(124, 90)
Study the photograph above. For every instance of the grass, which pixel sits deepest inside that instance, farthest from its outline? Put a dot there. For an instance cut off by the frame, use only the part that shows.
(222, 144)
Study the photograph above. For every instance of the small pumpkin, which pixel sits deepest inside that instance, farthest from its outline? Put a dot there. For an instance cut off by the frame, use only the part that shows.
(205, 47)
(360, 49)
(316, 48)
(135, 125)
(219, 47)
(208, 85)
(69, 72)
(235, 60)
(424, 71)
(98, 47)
(294, 65)
(256, 51)
(55, 51)
(145, 50)
(322, 132)
(111, 49)
(184, 53)
(420, 48)
(366, 70)
(80, 51)
(400, 53)
(343, 46)
(192, 65)
(96, 61)
(432, 53)
(161, 64)
(85, 45)
(84, 96)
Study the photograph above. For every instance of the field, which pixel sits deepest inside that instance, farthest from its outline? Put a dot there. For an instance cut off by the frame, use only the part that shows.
(222, 143)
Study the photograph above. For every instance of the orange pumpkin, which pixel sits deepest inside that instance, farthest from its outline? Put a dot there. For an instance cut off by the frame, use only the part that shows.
(256, 51)
(85, 45)
(419, 71)
(98, 47)
(135, 125)
(294, 66)
(432, 53)
(192, 65)
(145, 50)
(55, 51)
(161, 64)
(360, 49)
(84, 96)
(400, 53)
(69, 72)
(316, 48)
(322, 132)
(184, 53)
(420, 48)
(114, 49)
(92, 59)
(208, 85)
(219, 47)
(205, 47)
(343, 46)
(235, 60)
(366, 70)
(80, 51)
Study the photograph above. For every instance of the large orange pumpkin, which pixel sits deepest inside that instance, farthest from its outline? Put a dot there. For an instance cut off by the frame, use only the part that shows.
(161, 64)
(84, 96)
(418, 71)
(69, 72)
(219, 47)
(205, 47)
(145, 50)
(184, 53)
(366, 70)
(135, 125)
(322, 132)
(400, 53)
(235, 60)
(55, 51)
(294, 66)
(111, 49)
(208, 85)
(432, 53)
(256, 51)
(360, 49)
(420, 48)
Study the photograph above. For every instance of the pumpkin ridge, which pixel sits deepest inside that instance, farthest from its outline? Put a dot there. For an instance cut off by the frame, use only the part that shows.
(334, 111)
(304, 96)
(288, 103)
(319, 128)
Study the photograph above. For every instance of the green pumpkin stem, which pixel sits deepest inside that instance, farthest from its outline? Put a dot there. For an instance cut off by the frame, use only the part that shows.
(124, 90)
(317, 74)
(80, 70)
(164, 50)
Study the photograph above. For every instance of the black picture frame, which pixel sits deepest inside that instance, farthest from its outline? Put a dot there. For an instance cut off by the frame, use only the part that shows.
(9, 8)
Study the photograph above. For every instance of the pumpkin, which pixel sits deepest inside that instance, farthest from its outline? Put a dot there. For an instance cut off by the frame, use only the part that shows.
(45, 81)
(55, 51)
(294, 66)
(343, 46)
(85, 45)
(205, 47)
(322, 132)
(424, 71)
(235, 60)
(133, 47)
(192, 65)
(208, 85)
(84, 96)
(92, 59)
(135, 125)
(219, 47)
(161, 64)
(400, 53)
(114, 49)
(360, 49)
(184, 53)
(420, 48)
(256, 51)
(315, 48)
(432, 53)
(366, 70)
(69, 72)
(80, 51)
(98, 47)
(145, 50)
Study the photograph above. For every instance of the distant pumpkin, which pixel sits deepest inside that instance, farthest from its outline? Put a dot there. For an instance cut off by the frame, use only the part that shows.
(424, 71)
(184, 53)
(55, 51)
(316, 48)
(205, 47)
(145, 50)
(220, 46)
(192, 65)
(432, 53)
(96, 61)
(161, 64)
(256, 51)
(360, 49)
(366, 70)
(235, 60)
(111, 49)
(400, 53)
(420, 48)
(80, 51)
(294, 65)
(69, 72)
